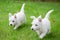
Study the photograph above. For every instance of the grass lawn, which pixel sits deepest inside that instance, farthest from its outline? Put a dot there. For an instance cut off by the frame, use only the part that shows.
(31, 8)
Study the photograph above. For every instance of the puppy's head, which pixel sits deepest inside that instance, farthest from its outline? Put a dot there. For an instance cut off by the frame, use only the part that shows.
(36, 23)
(12, 19)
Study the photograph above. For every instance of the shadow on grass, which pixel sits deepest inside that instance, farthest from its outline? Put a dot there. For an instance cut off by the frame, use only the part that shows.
(50, 36)
(23, 26)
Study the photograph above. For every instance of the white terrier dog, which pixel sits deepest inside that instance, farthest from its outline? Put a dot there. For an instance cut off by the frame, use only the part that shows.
(18, 18)
(41, 26)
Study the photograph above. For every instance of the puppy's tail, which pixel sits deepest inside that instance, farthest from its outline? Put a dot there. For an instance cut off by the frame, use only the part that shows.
(48, 13)
(22, 9)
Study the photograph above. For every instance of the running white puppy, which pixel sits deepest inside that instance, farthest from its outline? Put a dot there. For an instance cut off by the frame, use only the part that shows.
(41, 26)
(18, 18)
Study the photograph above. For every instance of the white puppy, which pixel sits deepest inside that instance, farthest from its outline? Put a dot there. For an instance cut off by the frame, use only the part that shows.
(18, 18)
(41, 26)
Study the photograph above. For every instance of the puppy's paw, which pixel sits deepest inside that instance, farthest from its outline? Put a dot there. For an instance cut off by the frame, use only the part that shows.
(41, 37)
(15, 28)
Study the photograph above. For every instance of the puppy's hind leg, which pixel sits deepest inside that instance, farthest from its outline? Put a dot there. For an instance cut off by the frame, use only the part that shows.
(49, 31)
(24, 21)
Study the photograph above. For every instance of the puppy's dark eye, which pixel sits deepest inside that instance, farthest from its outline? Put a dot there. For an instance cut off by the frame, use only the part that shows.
(36, 25)
(13, 21)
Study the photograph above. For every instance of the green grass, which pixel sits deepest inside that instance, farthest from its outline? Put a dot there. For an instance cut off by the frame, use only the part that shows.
(31, 8)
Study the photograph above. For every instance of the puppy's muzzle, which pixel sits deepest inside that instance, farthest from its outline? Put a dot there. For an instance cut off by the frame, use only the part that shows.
(10, 24)
(32, 29)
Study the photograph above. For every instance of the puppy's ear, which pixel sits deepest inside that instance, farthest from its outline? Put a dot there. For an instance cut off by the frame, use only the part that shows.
(32, 17)
(40, 18)
(10, 14)
(14, 16)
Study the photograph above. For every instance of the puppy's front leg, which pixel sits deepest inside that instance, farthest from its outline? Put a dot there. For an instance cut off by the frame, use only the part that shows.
(38, 32)
(16, 26)
(42, 35)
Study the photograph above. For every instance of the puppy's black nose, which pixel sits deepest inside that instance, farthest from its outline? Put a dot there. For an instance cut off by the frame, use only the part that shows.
(11, 24)
(32, 29)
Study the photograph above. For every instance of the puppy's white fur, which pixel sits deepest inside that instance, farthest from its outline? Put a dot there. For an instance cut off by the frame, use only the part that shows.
(41, 26)
(18, 18)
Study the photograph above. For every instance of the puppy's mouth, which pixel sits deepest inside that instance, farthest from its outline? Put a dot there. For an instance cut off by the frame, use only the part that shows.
(35, 29)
